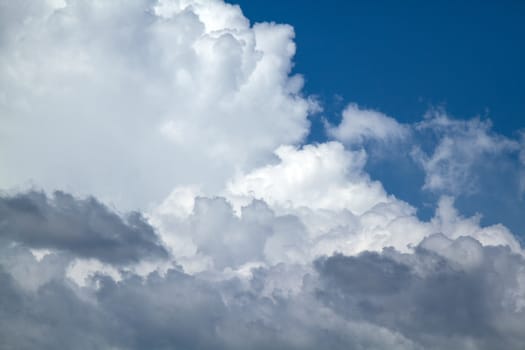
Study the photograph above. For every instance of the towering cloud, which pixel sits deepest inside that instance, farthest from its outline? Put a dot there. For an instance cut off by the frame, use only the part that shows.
(143, 95)
(245, 237)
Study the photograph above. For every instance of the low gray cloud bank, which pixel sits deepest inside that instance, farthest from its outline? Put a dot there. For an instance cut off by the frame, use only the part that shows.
(446, 293)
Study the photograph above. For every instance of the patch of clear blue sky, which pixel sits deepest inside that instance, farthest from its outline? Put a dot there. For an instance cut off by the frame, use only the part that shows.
(401, 57)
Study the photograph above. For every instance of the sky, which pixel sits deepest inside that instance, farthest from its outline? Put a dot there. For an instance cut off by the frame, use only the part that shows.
(201, 174)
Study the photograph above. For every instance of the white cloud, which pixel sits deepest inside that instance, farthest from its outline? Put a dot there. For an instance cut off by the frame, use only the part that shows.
(359, 125)
(134, 98)
(324, 176)
(315, 201)
(462, 145)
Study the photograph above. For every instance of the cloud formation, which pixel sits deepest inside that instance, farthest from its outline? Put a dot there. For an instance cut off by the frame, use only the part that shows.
(247, 238)
(432, 298)
(359, 125)
(448, 294)
(144, 95)
(461, 148)
(85, 228)
(312, 203)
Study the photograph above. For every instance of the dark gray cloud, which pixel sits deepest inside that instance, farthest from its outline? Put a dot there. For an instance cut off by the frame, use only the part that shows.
(175, 311)
(84, 227)
(439, 300)
(53, 317)
(447, 294)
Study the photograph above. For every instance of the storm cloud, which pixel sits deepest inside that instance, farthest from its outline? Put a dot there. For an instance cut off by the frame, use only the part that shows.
(84, 227)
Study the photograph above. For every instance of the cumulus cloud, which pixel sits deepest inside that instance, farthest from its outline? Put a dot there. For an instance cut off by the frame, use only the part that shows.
(359, 125)
(314, 201)
(248, 239)
(448, 294)
(324, 176)
(429, 299)
(267, 276)
(127, 91)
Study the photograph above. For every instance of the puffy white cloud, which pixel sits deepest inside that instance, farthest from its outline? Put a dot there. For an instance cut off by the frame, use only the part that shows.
(359, 125)
(324, 176)
(126, 100)
(316, 200)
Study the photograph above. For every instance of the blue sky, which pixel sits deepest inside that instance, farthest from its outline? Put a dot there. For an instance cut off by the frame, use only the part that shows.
(404, 58)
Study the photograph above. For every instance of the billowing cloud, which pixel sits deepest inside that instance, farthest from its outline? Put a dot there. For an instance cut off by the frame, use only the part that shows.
(315, 201)
(247, 238)
(141, 95)
(448, 294)
(325, 176)
(432, 298)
